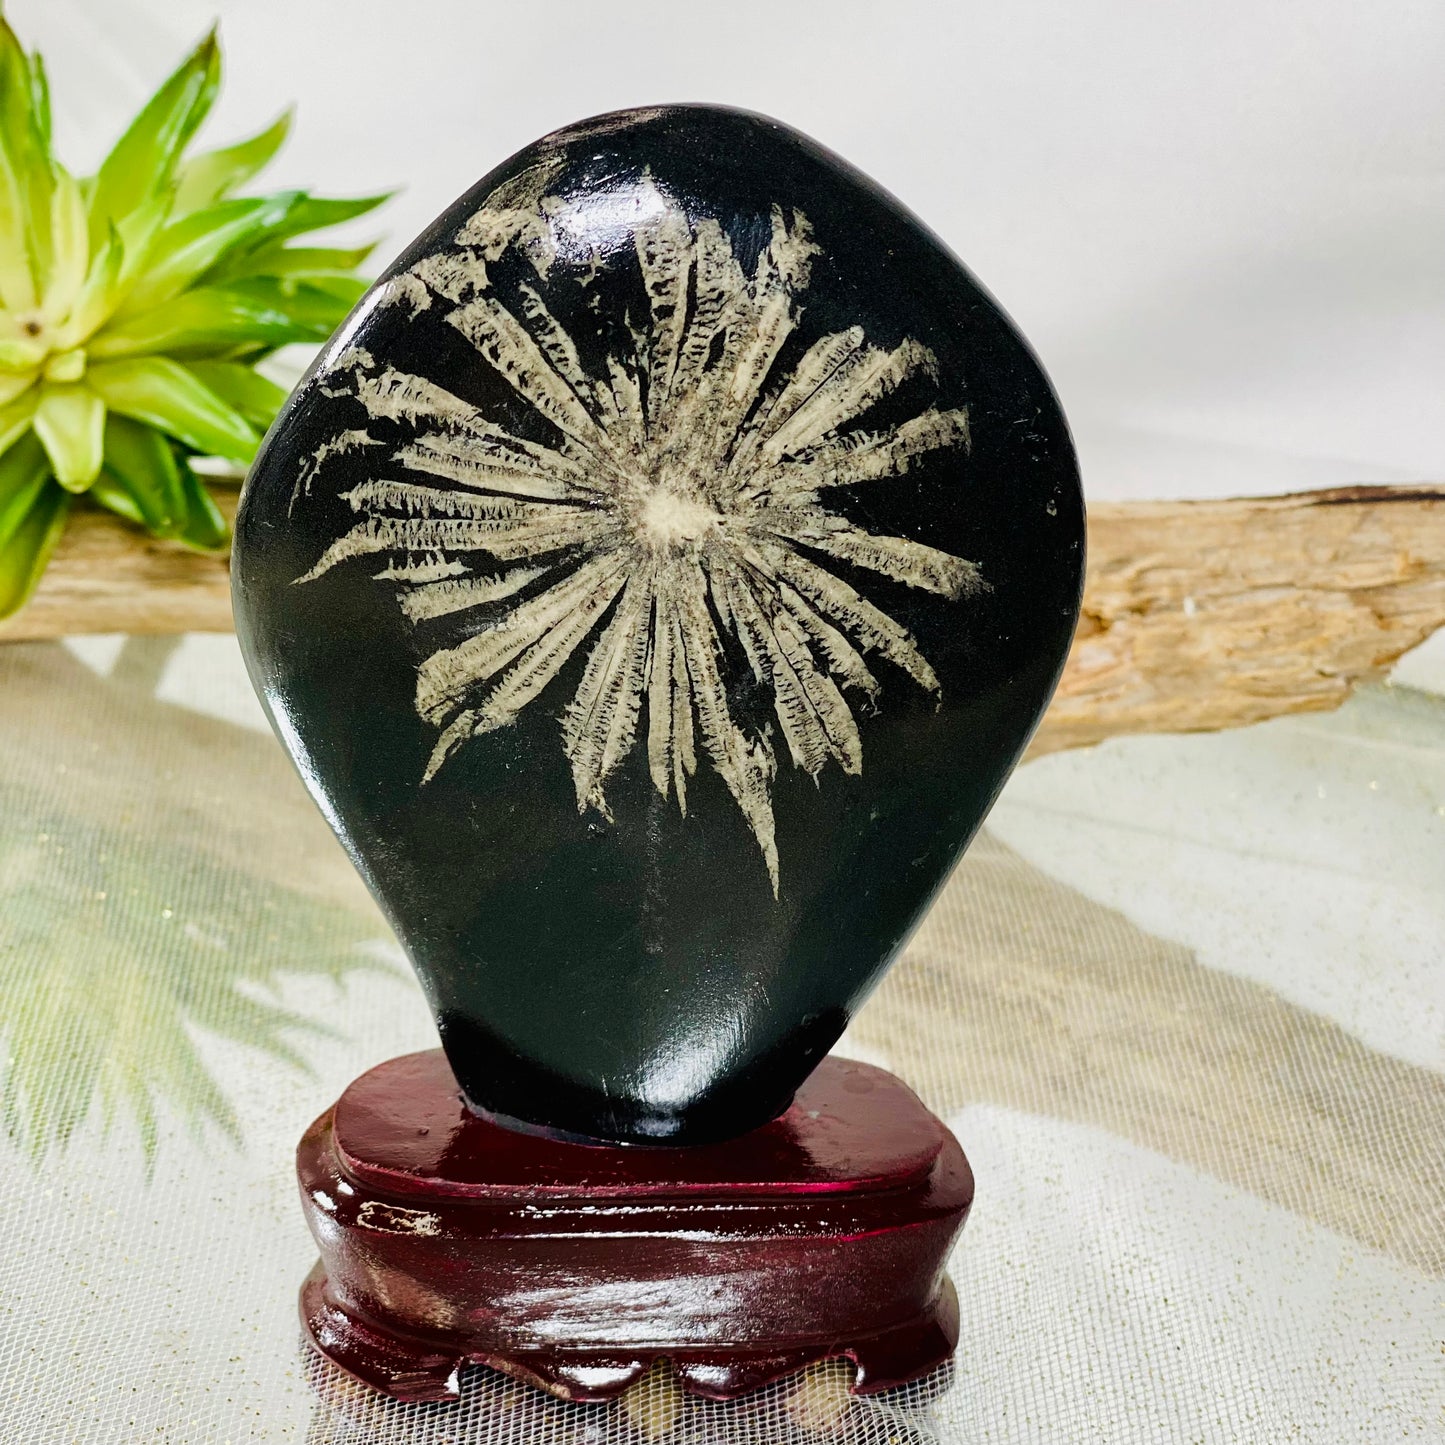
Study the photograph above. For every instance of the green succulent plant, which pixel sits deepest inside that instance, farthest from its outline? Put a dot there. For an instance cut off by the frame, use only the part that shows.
(134, 307)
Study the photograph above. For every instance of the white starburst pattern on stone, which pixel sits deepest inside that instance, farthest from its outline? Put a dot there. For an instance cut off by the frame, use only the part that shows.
(682, 502)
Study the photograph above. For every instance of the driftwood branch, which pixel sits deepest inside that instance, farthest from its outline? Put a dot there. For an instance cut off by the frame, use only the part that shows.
(107, 576)
(1206, 615)
(1197, 615)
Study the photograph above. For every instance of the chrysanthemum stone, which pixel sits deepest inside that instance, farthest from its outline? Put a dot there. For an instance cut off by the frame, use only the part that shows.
(655, 580)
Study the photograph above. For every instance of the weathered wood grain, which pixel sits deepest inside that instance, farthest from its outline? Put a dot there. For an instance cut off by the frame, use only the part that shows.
(108, 576)
(1197, 615)
(1206, 615)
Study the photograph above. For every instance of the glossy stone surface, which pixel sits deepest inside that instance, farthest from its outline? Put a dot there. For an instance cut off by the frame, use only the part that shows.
(654, 582)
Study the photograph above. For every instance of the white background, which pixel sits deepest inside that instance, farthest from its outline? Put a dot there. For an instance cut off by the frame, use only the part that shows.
(1221, 223)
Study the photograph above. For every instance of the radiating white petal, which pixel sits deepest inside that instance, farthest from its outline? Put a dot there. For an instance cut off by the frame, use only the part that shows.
(544, 659)
(664, 245)
(860, 456)
(446, 677)
(782, 271)
(843, 658)
(506, 539)
(815, 720)
(718, 278)
(460, 276)
(557, 346)
(863, 379)
(507, 345)
(392, 395)
(918, 565)
(339, 445)
(600, 724)
(875, 630)
(684, 497)
(488, 466)
(744, 764)
(819, 363)
(446, 595)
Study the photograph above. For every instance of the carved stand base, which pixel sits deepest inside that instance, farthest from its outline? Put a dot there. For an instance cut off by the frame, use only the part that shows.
(446, 1238)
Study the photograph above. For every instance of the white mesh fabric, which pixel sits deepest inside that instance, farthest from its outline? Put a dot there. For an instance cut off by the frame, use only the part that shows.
(1209, 1171)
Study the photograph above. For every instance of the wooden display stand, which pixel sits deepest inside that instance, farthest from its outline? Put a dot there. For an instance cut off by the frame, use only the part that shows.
(446, 1238)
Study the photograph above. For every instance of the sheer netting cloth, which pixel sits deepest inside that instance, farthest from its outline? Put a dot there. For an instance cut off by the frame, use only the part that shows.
(1183, 1003)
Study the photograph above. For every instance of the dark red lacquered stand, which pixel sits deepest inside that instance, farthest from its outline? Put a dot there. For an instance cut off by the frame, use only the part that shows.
(445, 1238)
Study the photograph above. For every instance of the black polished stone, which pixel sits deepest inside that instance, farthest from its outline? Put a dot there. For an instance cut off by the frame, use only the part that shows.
(676, 450)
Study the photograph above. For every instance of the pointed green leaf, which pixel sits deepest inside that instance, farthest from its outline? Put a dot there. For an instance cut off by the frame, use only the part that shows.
(279, 259)
(307, 213)
(16, 417)
(144, 463)
(97, 296)
(316, 213)
(321, 307)
(190, 246)
(26, 160)
(110, 492)
(163, 393)
(40, 98)
(205, 528)
(243, 389)
(14, 384)
(213, 174)
(26, 551)
(144, 160)
(211, 321)
(344, 291)
(17, 268)
(19, 354)
(24, 470)
(138, 234)
(247, 354)
(70, 246)
(70, 422)
(17, 282)
(11, 49)
(32, 120)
